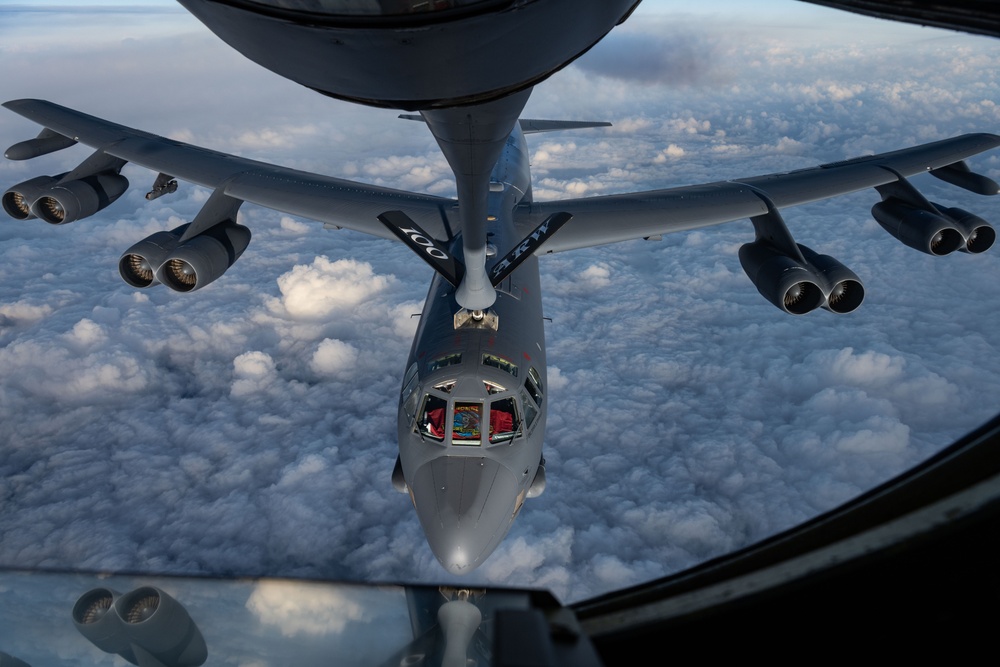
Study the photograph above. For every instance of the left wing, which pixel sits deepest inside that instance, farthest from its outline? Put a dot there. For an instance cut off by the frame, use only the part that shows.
(334, 201)
(612, 218)
(195, 254)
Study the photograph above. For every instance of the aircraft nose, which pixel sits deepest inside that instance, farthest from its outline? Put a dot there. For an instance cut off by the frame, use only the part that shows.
(466, 506)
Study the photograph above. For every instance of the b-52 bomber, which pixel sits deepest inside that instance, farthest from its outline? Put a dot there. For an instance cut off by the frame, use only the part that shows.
(473, 398)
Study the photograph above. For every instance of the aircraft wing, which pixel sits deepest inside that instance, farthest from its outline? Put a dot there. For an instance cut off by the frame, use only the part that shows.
(334, 201)
(612, 218)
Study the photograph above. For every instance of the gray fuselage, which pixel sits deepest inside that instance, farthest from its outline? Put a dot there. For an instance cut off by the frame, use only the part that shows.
(472, 410)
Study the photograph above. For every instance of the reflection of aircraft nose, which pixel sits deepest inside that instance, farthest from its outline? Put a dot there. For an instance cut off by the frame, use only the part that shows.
(465, 505)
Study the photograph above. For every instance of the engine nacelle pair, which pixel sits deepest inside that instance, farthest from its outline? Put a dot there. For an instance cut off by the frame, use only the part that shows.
(797, 286)
(936, 232)
(145, 626)
(184, 266)
(58, 201)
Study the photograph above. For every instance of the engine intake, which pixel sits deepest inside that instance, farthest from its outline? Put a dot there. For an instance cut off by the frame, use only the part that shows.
(842, 289)
(781, 279)
(187, 266)
(17, 200)
(95, 618)
(138, 264)
(798, 287)
(979, 234)
(143, 622)
(918, 228)
(201, 260)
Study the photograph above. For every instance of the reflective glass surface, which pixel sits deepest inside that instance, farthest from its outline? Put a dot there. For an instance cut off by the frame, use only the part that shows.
(73, 619)
(370, 7)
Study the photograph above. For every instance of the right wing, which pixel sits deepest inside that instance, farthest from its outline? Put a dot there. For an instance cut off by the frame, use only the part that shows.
(790, 275)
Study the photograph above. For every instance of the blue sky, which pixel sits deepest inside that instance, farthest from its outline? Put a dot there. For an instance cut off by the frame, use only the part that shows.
(215, 432)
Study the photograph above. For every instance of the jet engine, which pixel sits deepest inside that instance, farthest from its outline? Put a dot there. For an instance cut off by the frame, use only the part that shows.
(145, 627)
(184, 266)
(842, 289)
(139, 263)
(920, 228)
(798, 286)
(979, 235)
(17, 200)
(66, 201)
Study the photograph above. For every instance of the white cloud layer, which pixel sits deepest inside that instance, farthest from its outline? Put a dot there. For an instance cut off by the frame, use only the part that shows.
(297, 608)
(249, 427)
(326, 289)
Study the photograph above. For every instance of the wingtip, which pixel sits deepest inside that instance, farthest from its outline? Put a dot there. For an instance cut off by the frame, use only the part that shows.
(14, 105)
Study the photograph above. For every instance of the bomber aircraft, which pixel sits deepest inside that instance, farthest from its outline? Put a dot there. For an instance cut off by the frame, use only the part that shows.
(473, 399)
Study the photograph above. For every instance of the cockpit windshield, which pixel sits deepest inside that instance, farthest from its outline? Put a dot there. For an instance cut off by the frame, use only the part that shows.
(534, 386)
(503, 420)
(432, 415)
(462, 421)
(466, 423)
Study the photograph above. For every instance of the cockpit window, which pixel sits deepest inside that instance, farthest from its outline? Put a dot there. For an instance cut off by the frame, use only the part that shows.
(530, 411)
(409, 382)
(502, 364)
(503, 420)
(410, 405)
(431, 422)
(444, 361)
(411, 372)
(445, 386)
(493, 387)
(533, 384)
(408, 397)
(466, 429)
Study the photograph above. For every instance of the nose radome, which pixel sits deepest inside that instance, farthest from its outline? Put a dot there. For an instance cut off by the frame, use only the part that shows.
(466, 506)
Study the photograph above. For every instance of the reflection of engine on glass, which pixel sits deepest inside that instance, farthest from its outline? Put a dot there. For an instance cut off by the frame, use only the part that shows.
(145, 626)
